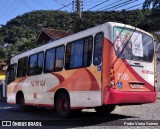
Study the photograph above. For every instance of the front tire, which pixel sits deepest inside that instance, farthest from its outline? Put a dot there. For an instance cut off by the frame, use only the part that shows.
(63, 105)
(22, 106)
(106, 109)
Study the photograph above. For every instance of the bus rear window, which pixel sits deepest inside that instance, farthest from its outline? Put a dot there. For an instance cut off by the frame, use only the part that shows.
(133, 45)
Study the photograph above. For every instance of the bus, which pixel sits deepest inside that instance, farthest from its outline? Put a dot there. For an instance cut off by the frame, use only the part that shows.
(101, 67)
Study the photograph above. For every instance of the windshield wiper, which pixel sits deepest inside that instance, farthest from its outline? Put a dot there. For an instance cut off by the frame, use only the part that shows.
(136, 65)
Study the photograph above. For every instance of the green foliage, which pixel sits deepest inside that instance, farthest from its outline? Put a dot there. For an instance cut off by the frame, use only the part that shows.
(22, 31)
(155, 4)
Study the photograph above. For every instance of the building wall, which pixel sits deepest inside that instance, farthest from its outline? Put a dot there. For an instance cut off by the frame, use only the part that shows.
(158, 77)
(2, 84)
(2, 75)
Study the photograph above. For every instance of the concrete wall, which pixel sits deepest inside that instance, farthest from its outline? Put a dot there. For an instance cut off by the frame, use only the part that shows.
(158, 77)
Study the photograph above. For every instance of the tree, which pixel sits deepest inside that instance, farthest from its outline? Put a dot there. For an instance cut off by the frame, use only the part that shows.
(23, 30)
(155, 5)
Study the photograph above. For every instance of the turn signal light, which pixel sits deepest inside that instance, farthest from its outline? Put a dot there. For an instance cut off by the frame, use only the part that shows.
(112, 84)
(112, 78)
(112, 72)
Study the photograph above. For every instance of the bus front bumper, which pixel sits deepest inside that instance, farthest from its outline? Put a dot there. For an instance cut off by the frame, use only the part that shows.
(114, 96)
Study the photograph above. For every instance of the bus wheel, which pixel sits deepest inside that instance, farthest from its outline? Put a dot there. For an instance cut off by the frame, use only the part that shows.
(63, 105)
(22, 106)
(105, 109)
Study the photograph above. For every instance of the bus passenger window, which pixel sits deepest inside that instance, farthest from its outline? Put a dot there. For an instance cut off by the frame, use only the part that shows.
(98, 42)
(88, 44)
(32, 65)
(79, 53)
(76, 54)
(49, 60)
(59, 58)
(40, 63)
(12, 73)
(68, 54)
(22, 67)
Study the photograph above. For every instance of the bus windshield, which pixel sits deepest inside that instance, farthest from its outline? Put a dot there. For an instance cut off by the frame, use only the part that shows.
(133, 45)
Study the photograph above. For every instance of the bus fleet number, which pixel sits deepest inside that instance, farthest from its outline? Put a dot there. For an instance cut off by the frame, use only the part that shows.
(123, 76)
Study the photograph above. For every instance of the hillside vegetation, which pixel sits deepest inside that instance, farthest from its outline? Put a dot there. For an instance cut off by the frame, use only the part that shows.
(21, 32)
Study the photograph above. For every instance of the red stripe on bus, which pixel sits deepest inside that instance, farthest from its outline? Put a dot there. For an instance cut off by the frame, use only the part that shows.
(94, 83)
(60, 77)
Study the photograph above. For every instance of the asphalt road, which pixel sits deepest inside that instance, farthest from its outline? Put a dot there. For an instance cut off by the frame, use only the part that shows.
(121, 117)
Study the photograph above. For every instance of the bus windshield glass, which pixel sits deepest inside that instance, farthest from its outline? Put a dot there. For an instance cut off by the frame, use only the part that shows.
(133, 45)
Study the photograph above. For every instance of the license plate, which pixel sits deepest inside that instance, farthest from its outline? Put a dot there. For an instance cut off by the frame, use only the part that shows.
(136, 86)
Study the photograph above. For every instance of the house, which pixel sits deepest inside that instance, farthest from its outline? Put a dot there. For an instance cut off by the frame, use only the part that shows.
(49, 34)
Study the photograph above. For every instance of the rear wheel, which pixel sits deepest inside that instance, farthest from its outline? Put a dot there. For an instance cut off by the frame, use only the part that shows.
(105, 109)
(22, 106)
(63, 105)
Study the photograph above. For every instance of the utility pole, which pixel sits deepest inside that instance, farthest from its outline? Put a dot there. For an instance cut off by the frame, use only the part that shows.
(78, 5)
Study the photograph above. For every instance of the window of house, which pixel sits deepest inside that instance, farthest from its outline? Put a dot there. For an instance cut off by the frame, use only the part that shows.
(98, 42)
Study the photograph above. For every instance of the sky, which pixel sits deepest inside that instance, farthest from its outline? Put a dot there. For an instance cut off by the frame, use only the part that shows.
(10, 9)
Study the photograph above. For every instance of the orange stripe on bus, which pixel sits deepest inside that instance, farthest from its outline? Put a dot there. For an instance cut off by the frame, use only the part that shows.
(85, 81)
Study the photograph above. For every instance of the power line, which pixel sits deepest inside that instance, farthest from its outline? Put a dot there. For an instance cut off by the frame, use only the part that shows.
(39, 3)
(62, 4)
(124, 3)
(13, 10)
(63, 7)
(4, 9)
(98, 4)
(91, 2)
(109, 5)
(134, 6)
(26, 4)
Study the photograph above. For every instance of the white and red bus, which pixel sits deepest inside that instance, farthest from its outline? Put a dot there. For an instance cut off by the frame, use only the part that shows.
(101, 67)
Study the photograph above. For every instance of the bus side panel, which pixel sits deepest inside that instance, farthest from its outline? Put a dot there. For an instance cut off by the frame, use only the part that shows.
(83, 85)
(108, 60)
(12, 89)
(91, 97)
(31, 87)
